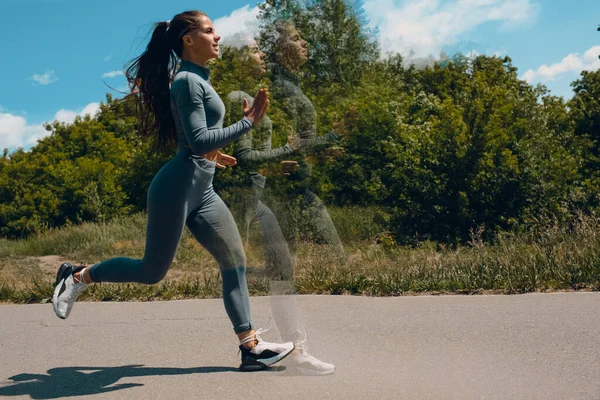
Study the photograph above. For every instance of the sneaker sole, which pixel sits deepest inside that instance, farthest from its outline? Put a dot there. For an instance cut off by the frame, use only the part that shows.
(251, 365)
(312, 372)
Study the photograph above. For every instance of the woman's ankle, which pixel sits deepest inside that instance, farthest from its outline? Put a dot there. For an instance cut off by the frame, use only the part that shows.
(84, 275)
(248, 339)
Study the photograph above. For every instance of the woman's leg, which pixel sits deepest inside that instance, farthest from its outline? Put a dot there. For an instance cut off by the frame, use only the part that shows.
(280, 270)
(167, 212)
(278, 259)
(318, 217)
(214, 228)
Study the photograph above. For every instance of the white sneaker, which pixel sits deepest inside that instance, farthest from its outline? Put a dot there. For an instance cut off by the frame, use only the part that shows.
(264, 354)
(306, 364)
(66, 290)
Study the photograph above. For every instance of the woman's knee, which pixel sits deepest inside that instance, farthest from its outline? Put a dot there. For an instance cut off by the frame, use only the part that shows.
(229, 250)
(237, 257)
(153, 273)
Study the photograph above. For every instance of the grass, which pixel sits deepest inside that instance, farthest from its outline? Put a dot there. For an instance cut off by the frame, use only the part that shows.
(562, 257)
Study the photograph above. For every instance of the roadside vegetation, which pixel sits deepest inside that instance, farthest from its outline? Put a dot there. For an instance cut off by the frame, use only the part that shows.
(561, 257)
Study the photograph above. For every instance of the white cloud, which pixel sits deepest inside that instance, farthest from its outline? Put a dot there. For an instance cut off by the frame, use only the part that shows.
(16, 132)
(108, 58)
(46, 78)
(68, 116)
(571, 63)
(417, 29)
(91, 109)
(112, 74)
(239, 27)
(422, 28)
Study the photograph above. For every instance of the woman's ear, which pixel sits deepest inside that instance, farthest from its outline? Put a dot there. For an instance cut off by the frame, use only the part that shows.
(187, 41)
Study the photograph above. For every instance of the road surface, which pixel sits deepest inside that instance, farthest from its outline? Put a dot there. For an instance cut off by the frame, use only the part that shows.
(534, 346)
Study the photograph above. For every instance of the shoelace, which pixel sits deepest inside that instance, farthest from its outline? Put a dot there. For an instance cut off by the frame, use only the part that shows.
(260, 331)
(255, 336)
(81, 279)
(302, 343)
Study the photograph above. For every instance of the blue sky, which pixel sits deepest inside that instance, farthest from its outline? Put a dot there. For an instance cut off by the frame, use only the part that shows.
(56, 52)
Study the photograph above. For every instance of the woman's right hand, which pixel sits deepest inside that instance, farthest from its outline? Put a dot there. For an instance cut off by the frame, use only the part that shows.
(295, 143)
(257, 112)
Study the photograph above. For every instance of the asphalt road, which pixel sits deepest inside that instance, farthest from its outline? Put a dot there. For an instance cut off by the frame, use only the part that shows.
(536, 346)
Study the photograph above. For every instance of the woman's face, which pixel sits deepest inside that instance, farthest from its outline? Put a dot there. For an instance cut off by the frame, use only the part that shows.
(257, 59)
(292, 49)
(202, 43)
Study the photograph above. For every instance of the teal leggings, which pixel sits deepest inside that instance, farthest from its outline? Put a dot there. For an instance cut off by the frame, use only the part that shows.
(182, 194)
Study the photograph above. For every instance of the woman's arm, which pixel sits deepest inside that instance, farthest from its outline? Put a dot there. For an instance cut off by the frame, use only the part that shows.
(248, 156)
(244, 151)
(318, 143)
(189, 99)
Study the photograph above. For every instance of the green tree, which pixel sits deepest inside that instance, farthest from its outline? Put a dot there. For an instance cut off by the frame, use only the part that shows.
(584, 112)
(339, 47)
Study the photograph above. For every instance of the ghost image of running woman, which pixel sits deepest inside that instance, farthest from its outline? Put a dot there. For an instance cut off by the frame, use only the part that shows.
(257, 159)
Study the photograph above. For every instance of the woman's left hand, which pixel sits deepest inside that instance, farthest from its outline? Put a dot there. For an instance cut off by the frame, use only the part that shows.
(287, 167)
(333, 152)
(224, 160)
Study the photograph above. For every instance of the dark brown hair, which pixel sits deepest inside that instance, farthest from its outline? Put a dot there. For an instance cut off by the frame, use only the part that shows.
(150, 75)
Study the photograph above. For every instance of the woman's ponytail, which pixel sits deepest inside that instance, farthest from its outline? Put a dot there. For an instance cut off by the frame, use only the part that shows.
(149, 77)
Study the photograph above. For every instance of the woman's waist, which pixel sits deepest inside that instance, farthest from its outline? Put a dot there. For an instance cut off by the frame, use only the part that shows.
(186, 152)
(187, 157)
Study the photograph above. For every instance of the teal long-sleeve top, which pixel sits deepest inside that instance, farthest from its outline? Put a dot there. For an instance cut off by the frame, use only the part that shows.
(198, 111)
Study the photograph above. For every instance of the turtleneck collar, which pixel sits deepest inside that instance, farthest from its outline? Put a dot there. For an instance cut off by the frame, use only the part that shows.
(193, 67)
(283, 74)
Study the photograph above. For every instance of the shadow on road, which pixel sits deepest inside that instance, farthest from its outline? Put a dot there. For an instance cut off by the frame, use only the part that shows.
(71, 381)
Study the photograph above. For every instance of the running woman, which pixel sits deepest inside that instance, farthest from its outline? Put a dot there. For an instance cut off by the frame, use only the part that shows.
(183, 108)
